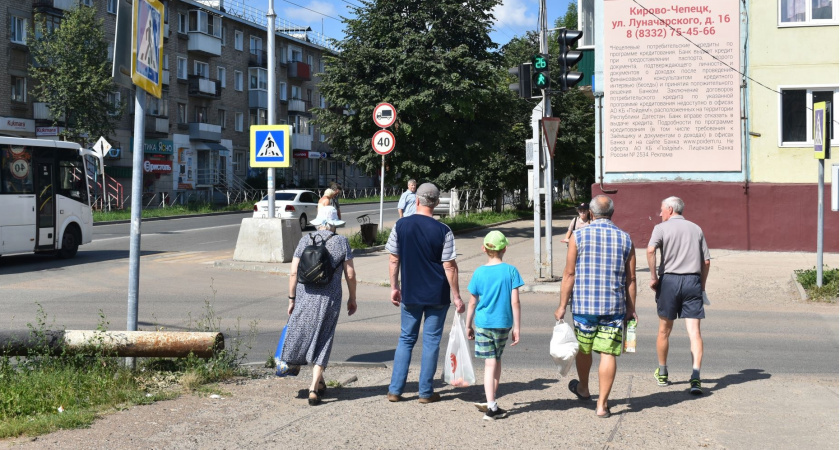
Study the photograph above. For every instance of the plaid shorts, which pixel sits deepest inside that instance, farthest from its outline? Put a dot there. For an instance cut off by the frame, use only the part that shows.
(603, 334)
(490, 342)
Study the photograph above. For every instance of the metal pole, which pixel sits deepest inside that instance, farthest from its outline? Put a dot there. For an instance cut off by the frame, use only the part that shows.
(549, 163)
(536, 192)
(271, 99)
(136, 215)
(381, 192)
(820, 195)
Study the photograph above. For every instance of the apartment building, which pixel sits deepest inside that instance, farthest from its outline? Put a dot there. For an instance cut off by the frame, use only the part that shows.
(215, 85)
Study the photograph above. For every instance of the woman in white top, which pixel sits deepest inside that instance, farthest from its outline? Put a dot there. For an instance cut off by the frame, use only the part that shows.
(583, 218)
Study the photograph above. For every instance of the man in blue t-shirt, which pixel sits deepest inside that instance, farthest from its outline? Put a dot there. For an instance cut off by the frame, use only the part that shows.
(408, 200)
(423, 253)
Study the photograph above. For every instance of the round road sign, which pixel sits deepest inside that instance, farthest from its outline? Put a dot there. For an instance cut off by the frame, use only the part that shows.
(383, 142)
(384, 115)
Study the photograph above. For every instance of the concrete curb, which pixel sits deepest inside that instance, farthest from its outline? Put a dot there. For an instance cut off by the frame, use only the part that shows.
(802, 293)
(251, 266)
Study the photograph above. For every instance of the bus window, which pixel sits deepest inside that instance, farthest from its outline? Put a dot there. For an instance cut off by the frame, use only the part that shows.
(71, 176)
(16, 170)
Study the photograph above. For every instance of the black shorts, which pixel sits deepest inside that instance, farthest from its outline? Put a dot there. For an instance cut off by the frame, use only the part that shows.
(680, 296)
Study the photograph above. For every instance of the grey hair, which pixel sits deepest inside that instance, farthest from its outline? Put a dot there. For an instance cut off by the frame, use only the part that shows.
(602, 206)
(412, 181)
(329, 192)
(674, 203)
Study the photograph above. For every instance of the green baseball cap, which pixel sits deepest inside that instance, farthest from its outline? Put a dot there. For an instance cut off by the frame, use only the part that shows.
(495, 240)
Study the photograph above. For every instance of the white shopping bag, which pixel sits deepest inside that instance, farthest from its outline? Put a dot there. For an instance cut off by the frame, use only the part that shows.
(563, 347)
(457, 367)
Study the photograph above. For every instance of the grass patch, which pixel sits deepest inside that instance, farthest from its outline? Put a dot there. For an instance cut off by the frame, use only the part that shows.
(464, 222)
(44, 391)
(176, 210)
(356, 241)
(830, 286)
(350, 201)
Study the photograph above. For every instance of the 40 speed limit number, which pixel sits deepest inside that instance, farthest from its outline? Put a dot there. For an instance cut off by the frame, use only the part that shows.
(383, 142)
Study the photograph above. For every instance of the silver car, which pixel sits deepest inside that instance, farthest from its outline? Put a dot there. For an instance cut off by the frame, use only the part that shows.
(290, 204)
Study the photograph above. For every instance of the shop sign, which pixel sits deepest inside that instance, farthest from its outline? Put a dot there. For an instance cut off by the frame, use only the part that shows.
(48, 131)
(300, 154)
(156, 146)
(314, 155)
(14, 124)
(157, 166)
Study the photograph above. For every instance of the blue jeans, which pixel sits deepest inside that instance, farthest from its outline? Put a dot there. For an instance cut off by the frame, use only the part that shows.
(411, 316)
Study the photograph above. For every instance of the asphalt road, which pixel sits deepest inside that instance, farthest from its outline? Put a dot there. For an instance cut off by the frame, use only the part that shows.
(179, 288)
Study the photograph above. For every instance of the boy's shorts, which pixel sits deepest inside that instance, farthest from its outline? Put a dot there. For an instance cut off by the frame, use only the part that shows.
(603, 334)
(490, 342)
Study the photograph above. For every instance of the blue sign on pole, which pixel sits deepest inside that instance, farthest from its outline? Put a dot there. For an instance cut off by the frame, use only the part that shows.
(270, 146)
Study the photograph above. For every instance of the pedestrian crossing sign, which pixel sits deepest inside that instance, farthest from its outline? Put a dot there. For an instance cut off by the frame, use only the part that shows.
(271, 145)
(147, 46)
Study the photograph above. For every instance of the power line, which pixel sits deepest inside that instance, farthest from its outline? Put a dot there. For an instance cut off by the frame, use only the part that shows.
(715, 57)
(310, 9)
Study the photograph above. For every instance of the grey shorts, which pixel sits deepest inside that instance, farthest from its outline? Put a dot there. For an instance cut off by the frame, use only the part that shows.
(680, 296)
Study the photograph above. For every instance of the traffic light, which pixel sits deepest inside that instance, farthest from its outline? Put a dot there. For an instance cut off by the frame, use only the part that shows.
(540, 79)
(523, 84)
(568, 58)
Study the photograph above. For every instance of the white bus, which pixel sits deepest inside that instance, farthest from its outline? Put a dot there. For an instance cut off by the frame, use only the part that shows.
(44, 197)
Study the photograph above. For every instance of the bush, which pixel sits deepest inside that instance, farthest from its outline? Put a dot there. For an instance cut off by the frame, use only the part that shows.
(830, 286)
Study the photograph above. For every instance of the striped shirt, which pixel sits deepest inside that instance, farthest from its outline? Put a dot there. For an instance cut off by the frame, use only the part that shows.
(600, 279)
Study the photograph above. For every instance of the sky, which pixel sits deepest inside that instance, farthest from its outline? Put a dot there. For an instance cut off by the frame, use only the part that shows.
(513, 17)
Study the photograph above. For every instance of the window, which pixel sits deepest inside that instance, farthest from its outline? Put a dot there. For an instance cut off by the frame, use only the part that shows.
(182, 68)
(224, 35)
(223, 118)
(296, 93)
(221, 74)
(112, 6)
(257, 79)
(201, 69)
(47, 24)
(797, 114)
(237, 80)
(70, 176)
(256, 45)
(11, 168)
(322, 102)
(295, 54)
(18, 89)
(586, 23)
(204, 22)
(18, 30)
(114, 100)
(283, 55)
(309, 96)
(87, 2)
(807, 12)
(165, 61)
(281, 89)
(239, 161)
(158, 107)
(182, 23)
(182, 113)
(237, 40)
(309, 60)
(258, 116)
(239, 119)
(201, 114)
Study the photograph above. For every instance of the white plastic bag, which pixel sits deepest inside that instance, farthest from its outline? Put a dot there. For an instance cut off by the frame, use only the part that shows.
(564, 347)
(458, 368)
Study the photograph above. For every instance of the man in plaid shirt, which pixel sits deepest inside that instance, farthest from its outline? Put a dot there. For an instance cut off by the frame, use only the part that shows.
(600, 282)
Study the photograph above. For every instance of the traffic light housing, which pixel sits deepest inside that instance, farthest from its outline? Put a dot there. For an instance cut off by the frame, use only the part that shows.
(523, 84)
(568, 58)
(540, 79)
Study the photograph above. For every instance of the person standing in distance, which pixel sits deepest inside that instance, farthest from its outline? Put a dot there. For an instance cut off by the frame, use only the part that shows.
(408, 200)
(680, 284)
(337, 190)
(600, 282)
(423, 254)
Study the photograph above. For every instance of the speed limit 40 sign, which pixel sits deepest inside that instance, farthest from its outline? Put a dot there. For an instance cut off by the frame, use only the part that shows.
(383, 142)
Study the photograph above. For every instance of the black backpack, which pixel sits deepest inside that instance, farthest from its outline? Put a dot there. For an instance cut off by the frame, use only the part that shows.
(315, 266)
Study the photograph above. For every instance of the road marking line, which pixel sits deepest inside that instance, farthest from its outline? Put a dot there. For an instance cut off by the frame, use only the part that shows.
(169, 233)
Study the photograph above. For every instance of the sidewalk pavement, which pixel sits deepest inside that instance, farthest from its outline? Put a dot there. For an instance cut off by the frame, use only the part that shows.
(726, 268)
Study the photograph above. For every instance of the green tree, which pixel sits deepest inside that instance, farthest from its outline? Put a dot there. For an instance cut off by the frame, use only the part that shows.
(434, 61)
(72, 74)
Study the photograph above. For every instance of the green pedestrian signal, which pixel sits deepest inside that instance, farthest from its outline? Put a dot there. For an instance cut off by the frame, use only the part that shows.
(541, 80)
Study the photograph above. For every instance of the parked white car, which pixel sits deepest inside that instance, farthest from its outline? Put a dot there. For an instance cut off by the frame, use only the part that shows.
(290, 204)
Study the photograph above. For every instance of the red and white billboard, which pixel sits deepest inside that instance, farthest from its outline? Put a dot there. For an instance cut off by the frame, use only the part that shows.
(671, 86)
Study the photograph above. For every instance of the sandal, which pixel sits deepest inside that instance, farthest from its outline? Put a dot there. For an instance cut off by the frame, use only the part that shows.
(322, 388)
(314, 398)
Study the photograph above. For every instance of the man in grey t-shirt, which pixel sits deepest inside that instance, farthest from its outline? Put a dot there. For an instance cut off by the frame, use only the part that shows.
(680, 284)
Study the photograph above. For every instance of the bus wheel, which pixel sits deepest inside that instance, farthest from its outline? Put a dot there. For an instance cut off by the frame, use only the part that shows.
(69, 243)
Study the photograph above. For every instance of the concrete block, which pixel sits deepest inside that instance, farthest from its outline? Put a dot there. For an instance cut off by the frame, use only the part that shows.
(267, 240)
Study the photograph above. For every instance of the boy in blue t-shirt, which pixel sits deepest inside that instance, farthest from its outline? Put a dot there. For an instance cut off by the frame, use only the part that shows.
(495, 305)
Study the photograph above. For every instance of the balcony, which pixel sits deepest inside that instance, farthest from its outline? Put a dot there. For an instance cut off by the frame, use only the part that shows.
(63, 5)
(205, 132)
(204, 87)
(301, 142)
(258, 58)
(298, 105)
(204, 44)
(164, 77)
(156, 125)
(299, 71)
(257, 99)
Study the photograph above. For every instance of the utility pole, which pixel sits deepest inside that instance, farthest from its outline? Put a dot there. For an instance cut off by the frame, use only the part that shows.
(272, 87)
(548, 273)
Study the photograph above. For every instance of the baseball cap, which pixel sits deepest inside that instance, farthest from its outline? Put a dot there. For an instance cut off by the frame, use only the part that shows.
(428, 191)
(495, 240)
(583, 206)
